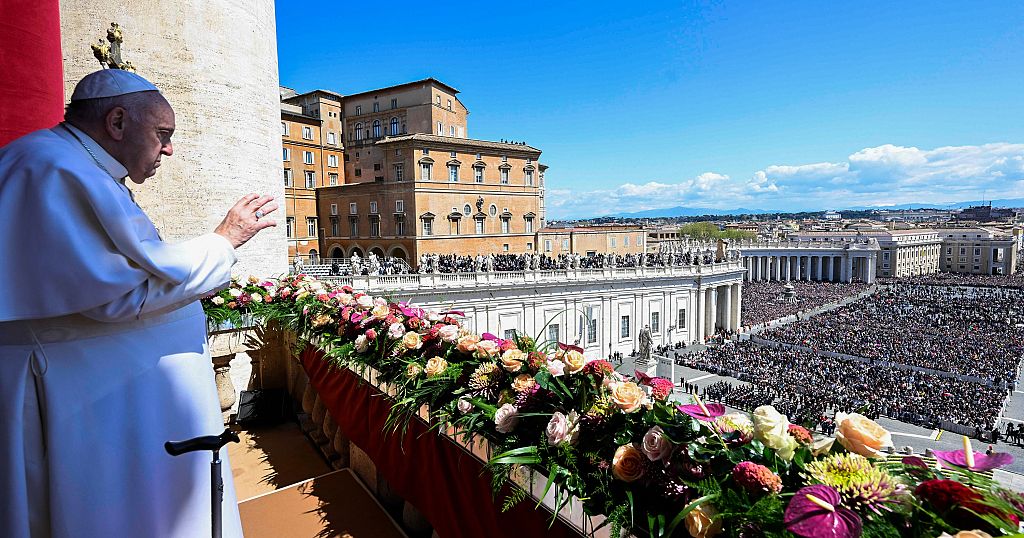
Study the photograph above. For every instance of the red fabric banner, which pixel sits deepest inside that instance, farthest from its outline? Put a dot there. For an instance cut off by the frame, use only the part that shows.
(430, 471)
(31, 67)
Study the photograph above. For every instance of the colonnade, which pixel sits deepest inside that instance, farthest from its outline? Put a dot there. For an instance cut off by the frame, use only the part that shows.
(822, 267)
(718, 307)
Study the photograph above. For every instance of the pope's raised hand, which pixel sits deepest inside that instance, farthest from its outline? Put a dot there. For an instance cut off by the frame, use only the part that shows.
(246, 218)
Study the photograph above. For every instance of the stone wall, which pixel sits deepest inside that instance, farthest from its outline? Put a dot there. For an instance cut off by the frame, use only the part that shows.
(216, 62)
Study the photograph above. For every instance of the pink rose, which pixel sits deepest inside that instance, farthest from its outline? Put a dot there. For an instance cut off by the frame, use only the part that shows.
(448, 333)
(656, 446)
(556, 367)
(563, 429)
(506, 418)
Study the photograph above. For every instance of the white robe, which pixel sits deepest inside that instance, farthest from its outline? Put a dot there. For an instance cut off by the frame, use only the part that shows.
(103, 353)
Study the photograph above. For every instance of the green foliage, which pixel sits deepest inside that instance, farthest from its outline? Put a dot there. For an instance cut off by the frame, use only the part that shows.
(709, 231)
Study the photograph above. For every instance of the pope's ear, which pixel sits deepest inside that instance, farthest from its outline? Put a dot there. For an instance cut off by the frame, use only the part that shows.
(114, 122)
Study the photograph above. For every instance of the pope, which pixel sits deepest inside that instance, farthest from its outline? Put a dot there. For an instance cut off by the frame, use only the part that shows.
(103, 351)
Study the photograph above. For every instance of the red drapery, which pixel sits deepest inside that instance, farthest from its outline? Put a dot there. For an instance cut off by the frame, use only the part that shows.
(31, 68)
(431, 472)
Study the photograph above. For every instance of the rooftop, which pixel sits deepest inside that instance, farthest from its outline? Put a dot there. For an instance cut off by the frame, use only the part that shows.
(459, 141)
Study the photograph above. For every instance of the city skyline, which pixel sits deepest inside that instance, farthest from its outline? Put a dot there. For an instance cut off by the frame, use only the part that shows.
(765, 107)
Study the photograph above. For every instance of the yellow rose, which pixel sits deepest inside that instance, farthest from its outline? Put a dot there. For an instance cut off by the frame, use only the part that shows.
(628, 463)
(379, 311)
(523, 383)
(628, 396)
(467, 343)
(861, 435)
(413, 370)
(700, 521)
(512, 360)
(574, 361)
(412, 340)
(435, 366)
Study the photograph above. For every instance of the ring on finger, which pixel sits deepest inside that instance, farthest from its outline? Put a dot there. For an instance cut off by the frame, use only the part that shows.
(259, 214)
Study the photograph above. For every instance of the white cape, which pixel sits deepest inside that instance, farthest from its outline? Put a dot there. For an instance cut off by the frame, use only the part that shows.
(103, 354)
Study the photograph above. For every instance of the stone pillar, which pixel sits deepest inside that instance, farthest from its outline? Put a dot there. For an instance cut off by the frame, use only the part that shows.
(737, 297)
(872, 269)
(698, 310)
(204, 75)
(713, 310)
(817, 269)
(726, 314)
(225, 389)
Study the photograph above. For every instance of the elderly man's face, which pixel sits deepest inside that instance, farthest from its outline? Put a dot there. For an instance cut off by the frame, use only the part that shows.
(147, 138)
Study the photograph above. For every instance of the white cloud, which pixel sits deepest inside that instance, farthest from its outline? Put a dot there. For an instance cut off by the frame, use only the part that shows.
(886, 174)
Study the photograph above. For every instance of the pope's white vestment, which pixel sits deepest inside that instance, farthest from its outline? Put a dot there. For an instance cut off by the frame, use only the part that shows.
(103, 353)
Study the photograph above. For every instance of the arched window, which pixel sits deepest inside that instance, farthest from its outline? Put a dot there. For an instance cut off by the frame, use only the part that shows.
(376, 128)
(394, 126)
(359, 131)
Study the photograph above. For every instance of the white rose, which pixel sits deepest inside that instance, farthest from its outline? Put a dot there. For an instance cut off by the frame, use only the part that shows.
(217, 300)
(465, 406)
(362, 343)
(396, 331)
(235, 292)
(772, 428)
(506, 418)
(656, 446)
(379, 301)
(365, 302)
(433, 316)
(257, 298)
(344, 299)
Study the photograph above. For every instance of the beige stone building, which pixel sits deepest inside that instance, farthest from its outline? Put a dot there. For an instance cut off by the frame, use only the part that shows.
(977, 250)
(592, 240)
(415, 183)
(312, 156)
(902, 252)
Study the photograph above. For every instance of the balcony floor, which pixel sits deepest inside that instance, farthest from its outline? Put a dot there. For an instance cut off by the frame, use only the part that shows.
(285, 488)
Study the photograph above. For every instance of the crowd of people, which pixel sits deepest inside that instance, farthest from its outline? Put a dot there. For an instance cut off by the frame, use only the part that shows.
(813, 386)
(967, 331)
(1015, 280)
(452, 263)
(764, 301)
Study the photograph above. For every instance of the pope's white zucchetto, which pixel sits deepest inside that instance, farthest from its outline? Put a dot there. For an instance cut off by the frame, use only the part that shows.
(110, 83)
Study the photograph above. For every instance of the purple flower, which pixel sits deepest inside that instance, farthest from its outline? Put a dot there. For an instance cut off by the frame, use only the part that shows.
(982, 462)
(914, 461)
(814, 512)
(570, 347)
(410, 312)
(703, 412)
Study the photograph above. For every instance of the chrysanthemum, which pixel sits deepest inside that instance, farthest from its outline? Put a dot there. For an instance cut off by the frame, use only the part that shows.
(863, 486)
(801, 434)
(484, 380)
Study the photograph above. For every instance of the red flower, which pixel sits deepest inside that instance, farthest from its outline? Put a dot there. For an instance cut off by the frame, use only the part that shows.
(801, 434)
(599, 367)
(661, 388)
(536, 360)
(957, 500)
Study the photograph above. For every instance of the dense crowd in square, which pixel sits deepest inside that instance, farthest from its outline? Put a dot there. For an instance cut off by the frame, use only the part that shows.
(967, 331)
(811, 387)
(763, 301)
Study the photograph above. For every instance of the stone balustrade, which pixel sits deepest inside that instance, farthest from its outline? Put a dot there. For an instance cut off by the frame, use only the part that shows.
(431, 281)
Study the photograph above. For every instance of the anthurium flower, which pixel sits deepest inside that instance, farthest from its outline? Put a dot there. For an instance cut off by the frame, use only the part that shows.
(982, 462)
(815, 512)
(700, 411)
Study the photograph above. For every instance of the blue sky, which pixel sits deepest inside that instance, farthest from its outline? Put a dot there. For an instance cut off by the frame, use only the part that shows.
(761, 105)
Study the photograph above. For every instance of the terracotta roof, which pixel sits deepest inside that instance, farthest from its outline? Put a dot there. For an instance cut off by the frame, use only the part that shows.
(421, 81)
(458, 141)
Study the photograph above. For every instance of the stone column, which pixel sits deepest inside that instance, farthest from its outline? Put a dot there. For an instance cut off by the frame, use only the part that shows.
(726, 314)
(737, 297)
(698, 310)
(872, 268)
(817, 271)
(712, 310)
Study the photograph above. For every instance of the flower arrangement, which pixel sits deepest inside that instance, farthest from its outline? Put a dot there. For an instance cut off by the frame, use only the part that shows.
(616, 442)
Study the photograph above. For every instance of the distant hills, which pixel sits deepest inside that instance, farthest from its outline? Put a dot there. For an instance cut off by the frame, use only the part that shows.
(680, 211)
